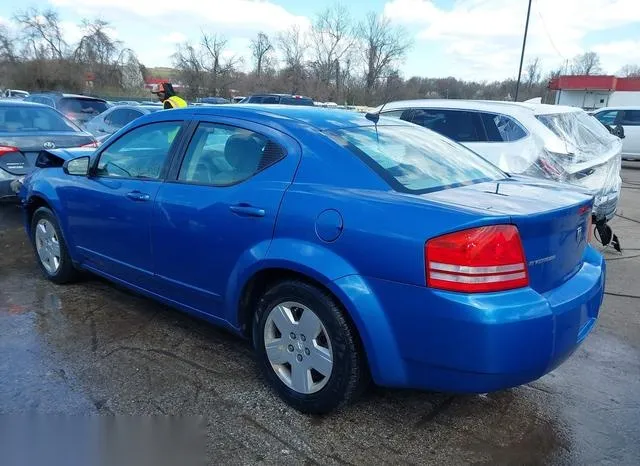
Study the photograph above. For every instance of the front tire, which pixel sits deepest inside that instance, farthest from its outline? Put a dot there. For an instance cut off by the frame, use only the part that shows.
(50, 248)
(307, 349)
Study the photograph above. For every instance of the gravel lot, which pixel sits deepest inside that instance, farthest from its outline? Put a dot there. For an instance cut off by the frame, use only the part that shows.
(91, 348)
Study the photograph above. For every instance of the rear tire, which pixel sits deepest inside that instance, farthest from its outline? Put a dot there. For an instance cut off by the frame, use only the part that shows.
(50, 248)
(317, 372)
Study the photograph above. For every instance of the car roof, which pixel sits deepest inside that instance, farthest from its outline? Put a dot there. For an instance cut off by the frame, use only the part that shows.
(63, 95)
(133, 107)
(618, 107)
(289, 115)
(499, 106)
(21, 103)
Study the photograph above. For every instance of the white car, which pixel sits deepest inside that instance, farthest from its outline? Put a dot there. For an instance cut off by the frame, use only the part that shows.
(629, 119)
(545, 141)
(114, 118)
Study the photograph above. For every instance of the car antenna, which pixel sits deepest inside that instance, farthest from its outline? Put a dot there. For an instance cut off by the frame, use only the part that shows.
(375, 117)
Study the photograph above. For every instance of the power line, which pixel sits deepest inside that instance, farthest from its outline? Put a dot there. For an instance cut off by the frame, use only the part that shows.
(546, 31)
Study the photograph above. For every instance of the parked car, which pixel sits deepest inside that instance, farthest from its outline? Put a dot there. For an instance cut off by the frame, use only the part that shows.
(14, 94)
(629, 119)
(26, 129)
(545, 141)
(213, 100)
(238, 99)
(283, 99)
(114, 118)
(344, 249)
(78, 108)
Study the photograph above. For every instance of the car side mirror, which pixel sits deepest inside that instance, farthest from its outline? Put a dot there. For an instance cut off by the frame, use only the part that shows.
(78, 166)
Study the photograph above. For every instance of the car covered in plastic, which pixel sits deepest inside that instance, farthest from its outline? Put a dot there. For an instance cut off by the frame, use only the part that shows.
(546, 141)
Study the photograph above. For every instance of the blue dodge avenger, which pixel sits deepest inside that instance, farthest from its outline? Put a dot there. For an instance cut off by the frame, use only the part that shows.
(346, 247)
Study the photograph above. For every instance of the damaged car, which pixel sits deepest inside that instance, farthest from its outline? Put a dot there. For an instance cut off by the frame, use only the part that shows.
(544, 141)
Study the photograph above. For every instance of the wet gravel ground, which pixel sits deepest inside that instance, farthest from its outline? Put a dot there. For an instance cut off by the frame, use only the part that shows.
(92, 348)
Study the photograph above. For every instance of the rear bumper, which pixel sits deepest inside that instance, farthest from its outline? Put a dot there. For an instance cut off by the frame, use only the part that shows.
(474, 343)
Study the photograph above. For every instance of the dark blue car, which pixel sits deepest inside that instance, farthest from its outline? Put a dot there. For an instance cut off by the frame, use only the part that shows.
(345, 250)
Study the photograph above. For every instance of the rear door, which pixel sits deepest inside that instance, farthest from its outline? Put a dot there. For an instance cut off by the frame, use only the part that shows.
(630, 120)
(217, 214)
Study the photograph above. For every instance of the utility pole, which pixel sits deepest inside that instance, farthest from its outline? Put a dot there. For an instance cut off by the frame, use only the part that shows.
(524, 43)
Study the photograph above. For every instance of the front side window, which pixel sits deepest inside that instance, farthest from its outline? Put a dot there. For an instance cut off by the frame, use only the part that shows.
(414, 160)
(459, 125)
(220, 155)
(141, 153)
(608, 118)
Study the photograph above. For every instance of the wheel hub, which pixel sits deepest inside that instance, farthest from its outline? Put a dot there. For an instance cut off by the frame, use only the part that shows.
(298, 347)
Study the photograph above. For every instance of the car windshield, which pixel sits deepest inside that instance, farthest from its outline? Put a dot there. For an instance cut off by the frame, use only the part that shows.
(83, 106)
(22, 119)
(413, 159)
(580, 131)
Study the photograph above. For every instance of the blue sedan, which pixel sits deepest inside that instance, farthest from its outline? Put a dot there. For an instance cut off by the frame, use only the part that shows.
(345, 247)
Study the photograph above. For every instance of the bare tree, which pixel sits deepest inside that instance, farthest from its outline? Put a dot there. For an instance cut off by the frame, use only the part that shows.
(203, 68)
(7, 46)
(384, 47)
(293, 45)
(220, 70)
(587, 63)
(261, 49)
(533, 72)
(42, 33)
(629, 71)
(332, 37)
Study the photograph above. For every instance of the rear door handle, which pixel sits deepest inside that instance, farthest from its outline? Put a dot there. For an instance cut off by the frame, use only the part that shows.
(247, 210)
(138, 196)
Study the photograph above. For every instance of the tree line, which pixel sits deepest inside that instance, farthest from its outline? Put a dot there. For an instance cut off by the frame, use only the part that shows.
(338, 59)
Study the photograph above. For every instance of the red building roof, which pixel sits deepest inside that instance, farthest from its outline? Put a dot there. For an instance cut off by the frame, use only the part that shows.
(594, 83)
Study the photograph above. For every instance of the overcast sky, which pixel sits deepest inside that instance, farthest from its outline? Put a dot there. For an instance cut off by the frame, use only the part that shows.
(469, 39)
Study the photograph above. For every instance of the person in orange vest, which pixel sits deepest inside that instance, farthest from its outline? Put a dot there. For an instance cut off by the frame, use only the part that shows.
(168, 96)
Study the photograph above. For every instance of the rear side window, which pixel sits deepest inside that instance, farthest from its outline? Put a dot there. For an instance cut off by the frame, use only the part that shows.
(81, 106)
(459, 125)
(220, 155)
(27, 119)
(631, 118)
(416, 161)
(501, 128)
(270, 99)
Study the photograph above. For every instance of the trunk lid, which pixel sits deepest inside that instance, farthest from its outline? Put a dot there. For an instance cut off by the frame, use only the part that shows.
(552, 220)
(30, 145)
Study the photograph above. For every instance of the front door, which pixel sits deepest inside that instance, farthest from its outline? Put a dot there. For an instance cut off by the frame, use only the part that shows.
(109, 211)
(217, 216)
(630, 120)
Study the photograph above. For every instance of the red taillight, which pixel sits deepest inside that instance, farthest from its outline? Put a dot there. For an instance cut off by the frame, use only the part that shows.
(7, 150)
(91, 144)
(477, 260)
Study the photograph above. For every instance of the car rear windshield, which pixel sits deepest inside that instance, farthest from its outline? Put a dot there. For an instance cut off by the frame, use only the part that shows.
(83, 106)
(23, 119)
(580, 131)
(416, 160)
(296, 101)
